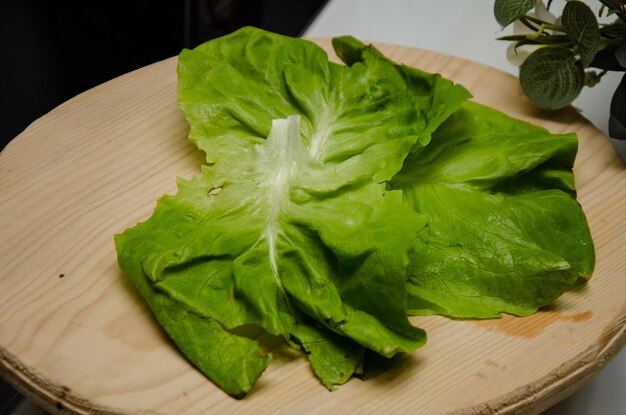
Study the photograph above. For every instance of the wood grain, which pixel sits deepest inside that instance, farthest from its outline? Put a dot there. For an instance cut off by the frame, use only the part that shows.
(76, 337)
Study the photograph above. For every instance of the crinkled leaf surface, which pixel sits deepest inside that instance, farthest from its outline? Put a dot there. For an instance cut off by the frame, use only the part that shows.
(233, 87)
(504, 233)
(290, 226)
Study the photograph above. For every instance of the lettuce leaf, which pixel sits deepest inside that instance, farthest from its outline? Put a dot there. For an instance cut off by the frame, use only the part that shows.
(363, 117)
(291, 226)
(505, 233)
(336, 199)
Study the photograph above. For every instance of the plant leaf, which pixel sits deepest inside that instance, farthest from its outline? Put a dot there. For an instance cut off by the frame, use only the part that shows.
(246, 79)
(582, 28)
(433, 92)
(504, 233)
(507, 11)
(551, 77)
(271, 249)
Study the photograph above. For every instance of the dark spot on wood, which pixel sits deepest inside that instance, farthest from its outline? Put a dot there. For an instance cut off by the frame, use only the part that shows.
(61, 275)
(59, 405)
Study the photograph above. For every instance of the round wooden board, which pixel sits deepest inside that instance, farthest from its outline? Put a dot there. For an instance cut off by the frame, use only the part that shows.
(76, 337)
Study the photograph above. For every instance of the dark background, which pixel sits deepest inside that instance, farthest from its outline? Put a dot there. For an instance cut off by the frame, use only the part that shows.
(51, 51)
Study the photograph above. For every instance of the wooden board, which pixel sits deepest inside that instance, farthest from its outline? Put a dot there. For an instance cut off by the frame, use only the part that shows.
(76, 337)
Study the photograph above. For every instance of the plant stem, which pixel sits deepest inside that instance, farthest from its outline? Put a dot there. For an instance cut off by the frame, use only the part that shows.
(528, 24)
(544, 24)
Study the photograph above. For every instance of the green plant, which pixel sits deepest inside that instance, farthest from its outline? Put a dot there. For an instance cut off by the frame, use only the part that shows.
(554, 74)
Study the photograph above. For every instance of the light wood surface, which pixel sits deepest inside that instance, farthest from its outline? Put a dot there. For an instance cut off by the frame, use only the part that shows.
(76, 337)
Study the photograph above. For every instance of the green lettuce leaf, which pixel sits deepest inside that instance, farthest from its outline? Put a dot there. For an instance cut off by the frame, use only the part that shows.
(362, 117)
(258, 243)
(290, 226)
(504, 233)
(337, 197)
